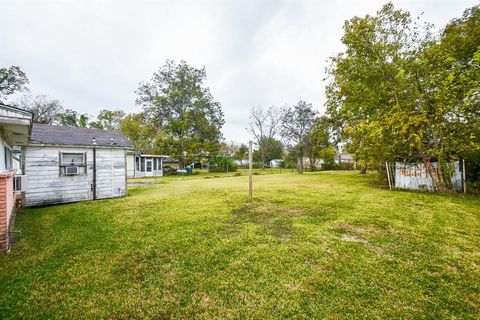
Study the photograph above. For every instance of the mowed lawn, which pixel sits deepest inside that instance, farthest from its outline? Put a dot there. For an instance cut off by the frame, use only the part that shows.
(318, 245)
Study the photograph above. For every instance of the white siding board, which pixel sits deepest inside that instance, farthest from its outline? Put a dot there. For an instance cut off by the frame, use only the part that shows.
(46, 186)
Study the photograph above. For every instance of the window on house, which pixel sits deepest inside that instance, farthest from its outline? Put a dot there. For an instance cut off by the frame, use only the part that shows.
(142, 164)
(73, 163)
(8, 159)
(155, 163)
(137, 163)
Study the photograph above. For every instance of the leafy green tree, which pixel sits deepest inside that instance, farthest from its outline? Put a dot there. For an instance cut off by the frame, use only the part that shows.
(71, 118)
(177, 102)
(221, 164)
(12, 79)
(397, 92)
(318, 139)
(296, 124)
(108, 120)
(45, 110)
(143, 134)
(273, 149)
(241, 153)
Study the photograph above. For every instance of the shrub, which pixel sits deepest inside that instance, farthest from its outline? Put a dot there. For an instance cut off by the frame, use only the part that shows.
(222, 164)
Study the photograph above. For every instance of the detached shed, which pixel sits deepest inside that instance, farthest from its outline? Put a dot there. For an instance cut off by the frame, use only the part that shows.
(67, 164)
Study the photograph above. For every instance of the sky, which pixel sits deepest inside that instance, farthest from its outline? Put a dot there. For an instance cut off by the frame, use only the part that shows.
(92, 55)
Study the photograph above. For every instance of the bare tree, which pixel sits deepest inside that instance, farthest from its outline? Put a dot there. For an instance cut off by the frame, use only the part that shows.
(263, 126)
(45, 109)
(297, 123)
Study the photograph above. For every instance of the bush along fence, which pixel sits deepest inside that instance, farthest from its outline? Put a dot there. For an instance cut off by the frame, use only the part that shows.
(411, 175)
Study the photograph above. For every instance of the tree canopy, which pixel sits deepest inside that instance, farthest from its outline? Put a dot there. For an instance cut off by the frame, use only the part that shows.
(397, 91)
(177, 102)
(12, 79)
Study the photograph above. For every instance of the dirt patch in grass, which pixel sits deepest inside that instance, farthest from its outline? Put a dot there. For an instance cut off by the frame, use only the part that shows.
(276, 221)
(351, 233)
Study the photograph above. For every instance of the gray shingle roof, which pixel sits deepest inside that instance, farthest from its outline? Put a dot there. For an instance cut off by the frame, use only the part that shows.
(58, 135)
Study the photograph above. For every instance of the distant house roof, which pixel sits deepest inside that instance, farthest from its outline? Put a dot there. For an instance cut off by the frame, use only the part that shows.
(58, 135)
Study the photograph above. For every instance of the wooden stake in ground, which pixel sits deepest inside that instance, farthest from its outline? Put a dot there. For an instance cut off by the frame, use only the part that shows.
(250, 169)
(388, 176)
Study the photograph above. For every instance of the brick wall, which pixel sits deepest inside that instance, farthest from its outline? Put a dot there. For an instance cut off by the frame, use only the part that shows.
(7, 205)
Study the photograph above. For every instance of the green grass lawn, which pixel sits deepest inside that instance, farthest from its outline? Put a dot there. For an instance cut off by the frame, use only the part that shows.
(203, 173)
(318, 245)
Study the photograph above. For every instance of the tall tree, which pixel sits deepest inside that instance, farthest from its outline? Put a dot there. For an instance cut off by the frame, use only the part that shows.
(241, 153)
(318, 140)
(72, 118)
(177, 101)
(108, 120)
(297, 123)
(399, 92)
(273, 149)
(12, 79)
(263, 125)
(143, 134)
(45, 109)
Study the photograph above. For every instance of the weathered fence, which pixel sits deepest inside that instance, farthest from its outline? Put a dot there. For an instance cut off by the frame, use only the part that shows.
(416, 176)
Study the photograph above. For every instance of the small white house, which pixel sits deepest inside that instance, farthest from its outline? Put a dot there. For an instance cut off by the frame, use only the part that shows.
(275, 163)
(68, 164)
(144, 165)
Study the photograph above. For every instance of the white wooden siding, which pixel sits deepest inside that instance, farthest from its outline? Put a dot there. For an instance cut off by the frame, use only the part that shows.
(47, 186)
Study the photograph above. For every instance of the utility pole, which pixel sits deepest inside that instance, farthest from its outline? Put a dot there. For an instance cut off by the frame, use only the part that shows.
(250, 169)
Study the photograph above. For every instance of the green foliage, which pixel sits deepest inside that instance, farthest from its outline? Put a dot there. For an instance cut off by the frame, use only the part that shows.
(328, 156)
(221, 164)
(398, 92)
(472, 164)
(12, 80)
(272, 149)
(177, 102)
(72, 118)
(108, 120)
(241, 153)
(143, 134)
(318, 140)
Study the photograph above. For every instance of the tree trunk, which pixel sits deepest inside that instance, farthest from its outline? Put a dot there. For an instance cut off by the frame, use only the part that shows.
(262, 156)
(312, 163)
(300, 164)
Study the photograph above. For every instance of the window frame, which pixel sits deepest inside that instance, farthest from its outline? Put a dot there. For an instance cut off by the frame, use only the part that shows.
(63, 166)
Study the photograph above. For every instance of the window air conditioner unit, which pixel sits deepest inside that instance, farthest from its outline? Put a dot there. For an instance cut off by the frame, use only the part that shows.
(71, 170)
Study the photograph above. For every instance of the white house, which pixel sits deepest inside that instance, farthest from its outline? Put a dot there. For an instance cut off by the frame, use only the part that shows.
(68, 164)
(275, 163)
(144, 165)
(15, 125)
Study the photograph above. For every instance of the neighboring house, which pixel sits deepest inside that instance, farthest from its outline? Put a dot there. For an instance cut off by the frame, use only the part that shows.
(241, 163)
(169, 163)
(344, 158)
(15, 125)
(276, 163)
(69, 164)
(144, 165)
(306, 163)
